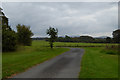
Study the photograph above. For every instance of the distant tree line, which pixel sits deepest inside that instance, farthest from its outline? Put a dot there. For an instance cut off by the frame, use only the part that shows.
(87, 39)
(11, 39)
(39, 38)
(90, 39)
(75, 39)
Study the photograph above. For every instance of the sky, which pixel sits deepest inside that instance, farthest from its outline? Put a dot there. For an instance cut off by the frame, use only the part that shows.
(70, 18)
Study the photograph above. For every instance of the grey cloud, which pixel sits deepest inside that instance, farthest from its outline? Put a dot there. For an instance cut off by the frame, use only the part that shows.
(71, 18)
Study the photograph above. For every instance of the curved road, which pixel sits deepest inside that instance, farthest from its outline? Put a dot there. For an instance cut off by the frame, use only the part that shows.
(66, 65)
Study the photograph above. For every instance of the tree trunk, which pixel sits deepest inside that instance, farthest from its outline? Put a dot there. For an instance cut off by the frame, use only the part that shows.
(51, 45)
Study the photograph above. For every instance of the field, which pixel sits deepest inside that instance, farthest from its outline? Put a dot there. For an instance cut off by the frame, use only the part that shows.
(95, 62)
(71, 44)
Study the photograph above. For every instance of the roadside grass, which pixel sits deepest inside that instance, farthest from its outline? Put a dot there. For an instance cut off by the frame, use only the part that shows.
(26, 57)
(96, 63)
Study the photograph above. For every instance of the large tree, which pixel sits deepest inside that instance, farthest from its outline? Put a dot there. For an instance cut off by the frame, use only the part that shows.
(116, 36)
(9, 39)
(8, 36)
(52, 32)
(24, 35)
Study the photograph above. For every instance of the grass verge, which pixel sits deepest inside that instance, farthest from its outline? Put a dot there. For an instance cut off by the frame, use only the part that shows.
(98, 64)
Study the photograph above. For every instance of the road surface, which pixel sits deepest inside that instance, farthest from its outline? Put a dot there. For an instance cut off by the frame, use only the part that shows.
(66, 65)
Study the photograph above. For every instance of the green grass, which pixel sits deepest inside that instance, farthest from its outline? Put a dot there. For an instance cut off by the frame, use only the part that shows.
(96, 63)
(70, 44)
(28, 56)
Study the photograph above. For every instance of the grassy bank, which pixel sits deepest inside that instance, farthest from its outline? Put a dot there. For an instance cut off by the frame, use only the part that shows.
(26, 57)
(96, 63)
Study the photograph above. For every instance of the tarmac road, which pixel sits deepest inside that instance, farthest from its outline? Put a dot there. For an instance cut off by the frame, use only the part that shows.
(66, 65)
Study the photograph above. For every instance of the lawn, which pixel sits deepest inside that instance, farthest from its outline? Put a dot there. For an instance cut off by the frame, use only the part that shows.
(28, 56)
(97, 64)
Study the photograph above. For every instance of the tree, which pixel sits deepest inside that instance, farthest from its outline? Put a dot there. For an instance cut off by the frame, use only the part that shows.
(24, 35)
(86, 39)
(116, 36)
(108, 40)
(67, 38)
(52, 32)
(9, 40)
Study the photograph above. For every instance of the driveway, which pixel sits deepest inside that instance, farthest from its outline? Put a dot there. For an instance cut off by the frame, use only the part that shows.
(66, 65)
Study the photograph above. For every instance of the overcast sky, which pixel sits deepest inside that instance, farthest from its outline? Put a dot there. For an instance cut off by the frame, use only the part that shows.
(71, 18)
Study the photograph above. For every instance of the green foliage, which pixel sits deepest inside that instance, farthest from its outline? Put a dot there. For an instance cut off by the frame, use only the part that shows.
(67, 38)
(8, 36)
(24, 35)
(9, 39)
(4, 20)
(52, 32)
(86, 39)
(108, 40)
(116, 36)
(100, 40)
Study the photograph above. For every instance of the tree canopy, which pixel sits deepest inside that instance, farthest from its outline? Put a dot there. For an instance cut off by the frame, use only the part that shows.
(52, 32)
(9, 40)
(116, 36)
(24, 34)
